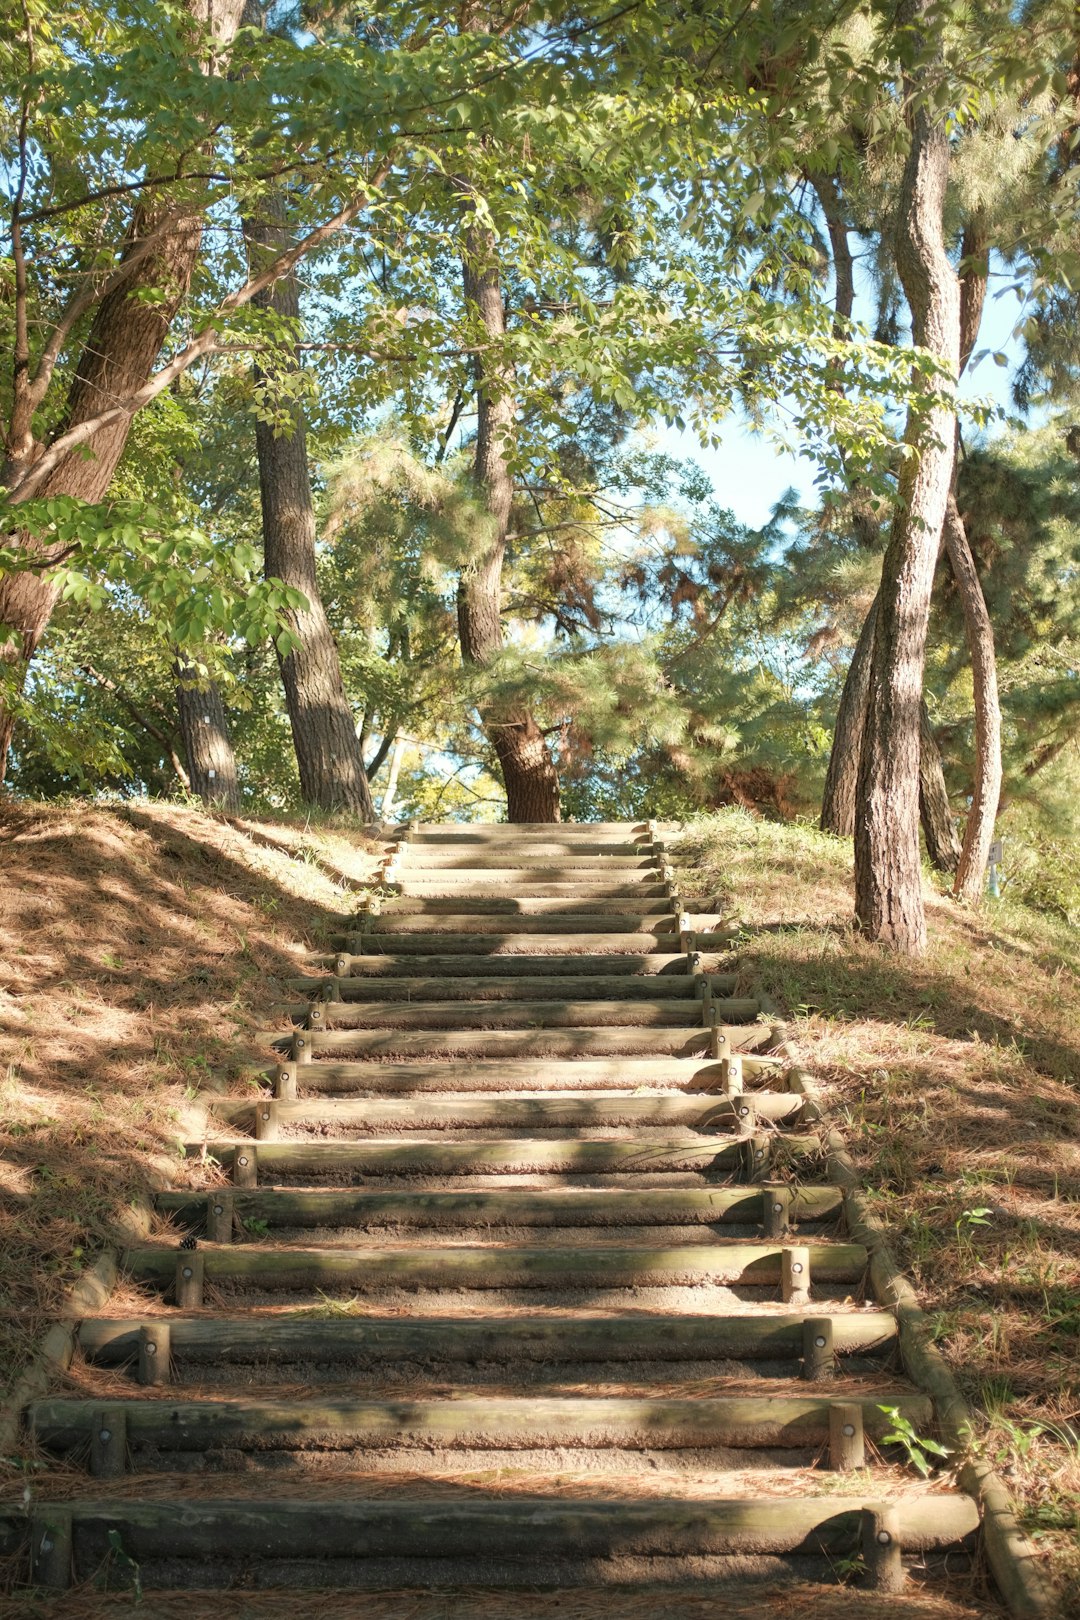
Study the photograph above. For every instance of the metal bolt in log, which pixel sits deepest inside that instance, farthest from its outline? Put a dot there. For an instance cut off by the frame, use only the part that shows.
(756, 1151)
(316, 1017)
(155, 1349)
(776, 1202)
(731, 1075)
(331, 990)
(245, 1167)
(745, 1116)
(342, 964)
(719, 1046)
(693, 964)
(285, 1082)
(300, 1047)
(795, 1276)
(686, 933)
(881, 1549)
(188, 1287)
(51, 1547)
(847, 1445)
(219, 1216)
(818, 1359)
(266, 1120)
(108, 1444)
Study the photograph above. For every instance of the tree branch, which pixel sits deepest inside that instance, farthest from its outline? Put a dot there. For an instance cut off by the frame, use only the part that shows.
(206, 343)
(107, 684)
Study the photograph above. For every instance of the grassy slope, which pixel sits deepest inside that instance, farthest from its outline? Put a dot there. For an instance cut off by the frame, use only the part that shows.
(139, 949)
(957, 1080)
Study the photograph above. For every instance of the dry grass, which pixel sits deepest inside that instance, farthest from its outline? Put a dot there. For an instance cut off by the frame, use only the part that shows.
(957, 1079)
(141, 948)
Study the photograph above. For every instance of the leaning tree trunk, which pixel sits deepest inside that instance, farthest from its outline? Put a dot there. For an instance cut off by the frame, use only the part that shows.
(117, 358)
(841, 780)
(528, 770)
(208, 749)
(328, 752)
(888, 884)
(939, 828)
(986, 791)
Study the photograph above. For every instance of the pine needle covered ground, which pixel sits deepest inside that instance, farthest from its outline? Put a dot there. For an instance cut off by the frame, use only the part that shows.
(956, 1080)
(140, 950)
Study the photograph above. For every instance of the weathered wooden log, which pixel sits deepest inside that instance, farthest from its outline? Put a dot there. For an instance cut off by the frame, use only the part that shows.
(465, 964)
(51, 1546)
(795, 1275)
(638, 905)
(490, 1266)
(819, 1359)
(498, 1422)
(882, 1546)
(154, 1353)
(286, 1337)
(525, 987)
(549, 1206)
(107, 1429)
(515, 943)
(558, 1155)
(329, 1529)
(612, 1041)
(391, 924)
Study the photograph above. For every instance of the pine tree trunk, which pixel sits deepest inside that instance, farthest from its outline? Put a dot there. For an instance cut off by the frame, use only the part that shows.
(986, 792)
(939, 829)
(888, 886)
(117, 358)
(208, 749)
(328, 752)
(528, 770)
(841, 780)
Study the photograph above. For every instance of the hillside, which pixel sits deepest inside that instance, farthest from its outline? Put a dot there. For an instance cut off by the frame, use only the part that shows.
(139, 941)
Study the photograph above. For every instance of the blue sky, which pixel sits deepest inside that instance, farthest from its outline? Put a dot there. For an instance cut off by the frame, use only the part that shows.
(750, 471)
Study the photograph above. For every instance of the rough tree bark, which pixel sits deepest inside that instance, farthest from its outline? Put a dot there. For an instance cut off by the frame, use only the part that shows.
(939, 829)
(838, 799)
(208, 749)
(328, 752)
(888, 885)
(986, 789)
(117, 358)
(528, 770)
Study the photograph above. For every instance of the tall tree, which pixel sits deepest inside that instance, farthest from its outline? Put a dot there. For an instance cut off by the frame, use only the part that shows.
(204, 727)
(528, 770)
(328, 753)
(888, 879)
(133, 307)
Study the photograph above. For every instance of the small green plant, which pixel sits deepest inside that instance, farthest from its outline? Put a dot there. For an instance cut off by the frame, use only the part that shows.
(969, 1219)
(918, 1448)
(256, 1227)
(126, 1564)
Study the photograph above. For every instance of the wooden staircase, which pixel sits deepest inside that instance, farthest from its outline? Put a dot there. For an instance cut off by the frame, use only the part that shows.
(518, 1271)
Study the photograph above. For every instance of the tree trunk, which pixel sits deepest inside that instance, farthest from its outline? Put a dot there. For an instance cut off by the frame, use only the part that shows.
(208, 749)
(528, 770)
(939, 829)
(841, 780)
(117, 358)
(328, 751)
(986, 792)
(888, 885)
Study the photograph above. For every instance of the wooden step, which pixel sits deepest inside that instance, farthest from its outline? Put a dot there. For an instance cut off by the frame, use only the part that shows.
(627, 965)
(630, 1012)
(539, 882)
(468, 903)
(380, 942)
(695, 1077)
(535, 1540)
(464, 922)
(392, 1341)
(577, 1041)
(516, 1206)
(499, 1111)
(498, 1266)
(289, 1336)
(525, 987)
(652, 1156)
(564, 865)
(506, 1423)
